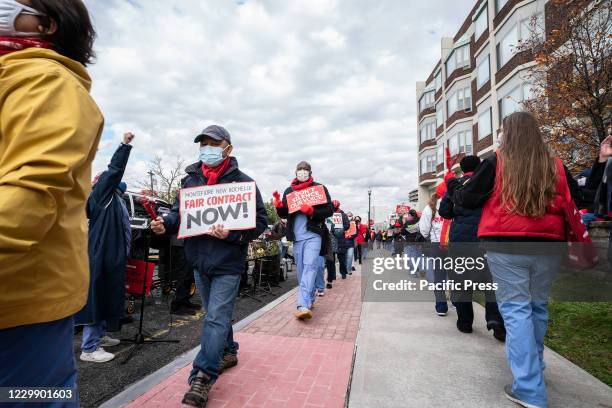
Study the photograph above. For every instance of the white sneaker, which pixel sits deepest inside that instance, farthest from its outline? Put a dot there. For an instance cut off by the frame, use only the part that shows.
(321, 293)
(98, 356)
(107, 341)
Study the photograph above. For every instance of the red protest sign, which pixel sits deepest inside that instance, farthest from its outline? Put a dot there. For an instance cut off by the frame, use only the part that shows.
(314, 195)
(402, 209)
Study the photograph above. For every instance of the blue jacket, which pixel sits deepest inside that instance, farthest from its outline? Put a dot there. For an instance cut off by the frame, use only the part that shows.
(464, 227)
(106, 247)
(210, 255)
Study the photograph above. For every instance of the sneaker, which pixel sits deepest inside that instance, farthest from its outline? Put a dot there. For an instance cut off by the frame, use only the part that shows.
(343, 276)
(441, 308)
(98, 356)
(107, 341)
(320, 293)
(512, 397)
(229, 360)
(197, 396)
(353, 268)
(303, 313)
(499, 331)
(328, 286)
(464, 328)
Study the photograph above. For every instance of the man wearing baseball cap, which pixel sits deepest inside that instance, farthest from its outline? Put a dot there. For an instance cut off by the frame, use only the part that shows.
(218, 259)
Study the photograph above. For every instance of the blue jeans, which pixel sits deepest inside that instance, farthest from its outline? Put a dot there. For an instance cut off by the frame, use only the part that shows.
(218, 293)
(349, 258)
(39, 355)
(92, 334)
(307, 259)
(523, 287)
(320, 280)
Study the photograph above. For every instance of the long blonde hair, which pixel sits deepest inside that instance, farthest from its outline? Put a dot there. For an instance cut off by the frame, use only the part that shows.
(528, 169)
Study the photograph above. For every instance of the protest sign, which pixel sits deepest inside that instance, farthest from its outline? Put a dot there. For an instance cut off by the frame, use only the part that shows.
(314, 195)
(337, 221)
(392, 219)
(402, 209)
(232, 205)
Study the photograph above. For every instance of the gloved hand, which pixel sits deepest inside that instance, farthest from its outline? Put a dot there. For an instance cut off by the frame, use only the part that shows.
(307, 209)
(278, 203)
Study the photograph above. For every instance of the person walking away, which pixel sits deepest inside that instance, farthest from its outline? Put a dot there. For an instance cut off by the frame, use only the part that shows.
(218, 258)
(306, 228)
(463, 243)
(411, 234)
(521, 190)
(110, 236)
(50, 128)
(360, 239)
(337, 236)
(430, 227)
(350, 236)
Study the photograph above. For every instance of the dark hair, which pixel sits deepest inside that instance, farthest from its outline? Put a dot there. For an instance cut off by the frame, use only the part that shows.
(304, 164)
(75, 33)
(469, 163)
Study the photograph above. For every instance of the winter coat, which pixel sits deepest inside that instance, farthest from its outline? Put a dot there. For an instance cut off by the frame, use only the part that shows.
(210, 255)
(315, 223)
(50, 128)
(362, 231)
(410, 231)
(107, 247)
(430, 225)
(339, 234)
(464, 227)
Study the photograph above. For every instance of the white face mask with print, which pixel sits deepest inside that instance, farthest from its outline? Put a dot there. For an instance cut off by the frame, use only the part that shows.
(9, 10)
(302, 175)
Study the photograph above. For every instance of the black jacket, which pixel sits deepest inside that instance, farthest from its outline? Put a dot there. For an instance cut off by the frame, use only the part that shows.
(339, 234)
(315, 223)
(210, 255)
(464, 227)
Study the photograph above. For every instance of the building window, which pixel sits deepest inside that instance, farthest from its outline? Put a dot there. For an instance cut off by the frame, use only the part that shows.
(428, 131)
(428, 163)
(439, 115)
(483, 72)
(484, 124)
(438, 81)
(427, 100)
(512, 102)
(482, 22)
(459, 100)
(531, 27)
(440, 154)
(499, 4)
(460, 57)
(507, 47)
(461, 143)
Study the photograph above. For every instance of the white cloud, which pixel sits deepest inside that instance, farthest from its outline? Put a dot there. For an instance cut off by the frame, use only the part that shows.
(331, 82)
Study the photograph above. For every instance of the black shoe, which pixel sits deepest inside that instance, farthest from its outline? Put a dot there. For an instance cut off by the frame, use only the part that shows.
(182, 311)
(191, 305)
(197, 396)
(352, 268)
(464, 328)
(499, 331)
(343, 276)
(328, 286)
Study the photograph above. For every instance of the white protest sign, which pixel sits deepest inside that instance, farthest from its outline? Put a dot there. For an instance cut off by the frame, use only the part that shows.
(232, 205)
(337, 221)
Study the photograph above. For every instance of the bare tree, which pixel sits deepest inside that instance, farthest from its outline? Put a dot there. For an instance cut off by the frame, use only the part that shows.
(164, 181)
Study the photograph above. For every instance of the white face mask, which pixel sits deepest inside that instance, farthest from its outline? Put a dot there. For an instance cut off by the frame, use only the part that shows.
(302, 175)
(9, 10)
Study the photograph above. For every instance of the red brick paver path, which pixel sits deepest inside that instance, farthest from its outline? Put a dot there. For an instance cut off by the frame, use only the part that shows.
(284, 362)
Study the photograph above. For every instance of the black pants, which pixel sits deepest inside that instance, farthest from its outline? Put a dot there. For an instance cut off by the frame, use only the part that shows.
(183, 285)
(358, 253)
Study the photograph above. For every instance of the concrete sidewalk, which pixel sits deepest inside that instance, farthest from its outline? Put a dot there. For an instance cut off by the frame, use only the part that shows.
(407, 356)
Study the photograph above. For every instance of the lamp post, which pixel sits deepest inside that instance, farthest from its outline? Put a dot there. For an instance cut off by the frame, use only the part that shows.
(369, 205)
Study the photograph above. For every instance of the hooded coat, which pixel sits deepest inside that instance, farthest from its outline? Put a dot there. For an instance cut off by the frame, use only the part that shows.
(107, 246)
(50, 128)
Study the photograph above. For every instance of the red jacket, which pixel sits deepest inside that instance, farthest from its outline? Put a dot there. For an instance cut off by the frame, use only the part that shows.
(497, 222)
(361, 233)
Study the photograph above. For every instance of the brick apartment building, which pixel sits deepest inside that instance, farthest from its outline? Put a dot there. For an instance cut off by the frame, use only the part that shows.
(479, 79)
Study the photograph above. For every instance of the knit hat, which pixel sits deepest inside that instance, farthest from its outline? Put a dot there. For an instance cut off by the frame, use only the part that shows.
(469, 163)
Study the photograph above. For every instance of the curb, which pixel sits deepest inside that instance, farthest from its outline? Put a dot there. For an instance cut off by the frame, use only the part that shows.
(139, 388)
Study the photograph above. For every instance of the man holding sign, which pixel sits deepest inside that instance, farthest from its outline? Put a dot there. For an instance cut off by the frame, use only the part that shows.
(219, 211)
(306, 204)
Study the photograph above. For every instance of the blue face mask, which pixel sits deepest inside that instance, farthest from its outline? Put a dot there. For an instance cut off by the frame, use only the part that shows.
(211, 156)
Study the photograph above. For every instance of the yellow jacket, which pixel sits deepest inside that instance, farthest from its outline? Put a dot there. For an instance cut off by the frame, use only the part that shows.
(49, 133)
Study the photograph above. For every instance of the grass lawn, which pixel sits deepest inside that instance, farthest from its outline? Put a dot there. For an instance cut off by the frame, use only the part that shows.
(582, 333)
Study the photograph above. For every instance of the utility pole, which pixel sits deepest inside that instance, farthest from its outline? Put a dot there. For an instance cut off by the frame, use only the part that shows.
(151, 174)
(369, 207)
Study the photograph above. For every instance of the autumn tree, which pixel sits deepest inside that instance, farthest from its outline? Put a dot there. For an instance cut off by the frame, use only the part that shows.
(572, 76)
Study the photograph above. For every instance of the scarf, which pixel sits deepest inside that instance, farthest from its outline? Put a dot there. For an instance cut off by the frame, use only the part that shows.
(297, 186)
(468, 174)
(212, 174)
(12, 44)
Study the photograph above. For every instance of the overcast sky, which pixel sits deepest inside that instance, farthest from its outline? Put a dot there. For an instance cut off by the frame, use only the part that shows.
(327, 81)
